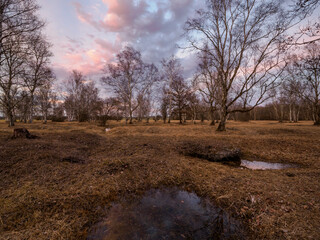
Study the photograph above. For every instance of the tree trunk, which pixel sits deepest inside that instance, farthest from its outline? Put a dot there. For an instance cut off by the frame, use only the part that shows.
(212, 117)
(222, 124)
(317, 121)
(10, 119)
(130, 117)
(317, 117)
(290, 113)
(298, 114)
(281, 114)
(31, 108)
(45, 118)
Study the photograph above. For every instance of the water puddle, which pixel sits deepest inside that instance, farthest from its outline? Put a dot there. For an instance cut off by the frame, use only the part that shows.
(256, 165)
(167, 214)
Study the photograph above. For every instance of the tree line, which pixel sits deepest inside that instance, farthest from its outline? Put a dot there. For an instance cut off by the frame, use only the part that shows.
(249, 67)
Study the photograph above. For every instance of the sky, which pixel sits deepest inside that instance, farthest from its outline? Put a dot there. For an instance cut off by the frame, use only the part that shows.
(86, 34)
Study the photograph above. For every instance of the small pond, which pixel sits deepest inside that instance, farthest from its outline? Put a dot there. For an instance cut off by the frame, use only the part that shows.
(256, 165)
(167, 214)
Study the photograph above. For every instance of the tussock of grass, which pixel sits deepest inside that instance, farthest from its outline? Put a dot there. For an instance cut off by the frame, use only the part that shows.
(42, 197)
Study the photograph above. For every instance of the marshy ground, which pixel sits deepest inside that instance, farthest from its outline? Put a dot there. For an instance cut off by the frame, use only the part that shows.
(60, 185)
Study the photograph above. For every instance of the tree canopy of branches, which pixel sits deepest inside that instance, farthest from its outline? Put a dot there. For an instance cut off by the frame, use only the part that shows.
(171, 71)
(37, 71)
(82, 102)
(244, 39)
(175, 90)
(307, 69)
(24, 56)
(130, 78)
(207, 84)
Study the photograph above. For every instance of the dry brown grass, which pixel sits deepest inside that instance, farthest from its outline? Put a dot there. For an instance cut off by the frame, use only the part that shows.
(42, 197)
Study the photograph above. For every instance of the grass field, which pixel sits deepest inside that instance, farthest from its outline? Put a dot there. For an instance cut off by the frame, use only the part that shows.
(42, 197)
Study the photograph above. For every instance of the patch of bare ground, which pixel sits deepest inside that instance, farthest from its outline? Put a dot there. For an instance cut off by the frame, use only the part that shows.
(43, 197)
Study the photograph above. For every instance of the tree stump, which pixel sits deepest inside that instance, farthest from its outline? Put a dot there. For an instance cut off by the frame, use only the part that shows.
(22, 133)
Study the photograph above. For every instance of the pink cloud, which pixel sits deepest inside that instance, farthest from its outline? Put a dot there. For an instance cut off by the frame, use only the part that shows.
(91, 61)
(73, 59)
(122, 13)
(113, 21)
(95, 56)
(83, 16)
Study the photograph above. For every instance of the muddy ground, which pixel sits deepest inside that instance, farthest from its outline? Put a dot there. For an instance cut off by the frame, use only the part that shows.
(59, 185)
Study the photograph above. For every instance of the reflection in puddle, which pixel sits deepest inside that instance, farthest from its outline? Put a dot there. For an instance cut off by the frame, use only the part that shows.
(167, 214)
(255, 165)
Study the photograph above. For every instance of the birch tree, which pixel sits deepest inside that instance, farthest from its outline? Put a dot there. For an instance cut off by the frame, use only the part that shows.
(37, 68)
(129, 78)
(245, 39)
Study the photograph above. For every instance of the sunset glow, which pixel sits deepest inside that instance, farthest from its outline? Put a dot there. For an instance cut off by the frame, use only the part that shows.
(87, 34)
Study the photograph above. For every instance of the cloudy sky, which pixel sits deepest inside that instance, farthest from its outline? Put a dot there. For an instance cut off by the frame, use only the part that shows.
(87, 33)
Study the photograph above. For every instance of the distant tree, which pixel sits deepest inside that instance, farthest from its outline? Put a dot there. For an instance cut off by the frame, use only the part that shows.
(165, 105)
(23, 106)
(109, 110)
(179, 92)
(82, 101)
(72, 103)
(37, 70)
(291, 91)
(206, 82)
(309, 75)
(171, 72)
(193, 105)
(44, 98)
(144, 109)
(130, 78)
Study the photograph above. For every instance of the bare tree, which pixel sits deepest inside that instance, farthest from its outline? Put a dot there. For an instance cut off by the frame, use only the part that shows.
(309, 73)
(144, 109)
(291, 90)
(82, 102)
(74, 88)
(23, 106)
(206, 82)
(10, 75)
(179, 92)
(165, 105)
(193, 105)
(171, 70)
(110, 110)
(17, 17)
(37, 68)
(245, 40)
(130, 78)
(44, 96)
